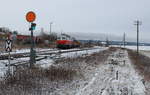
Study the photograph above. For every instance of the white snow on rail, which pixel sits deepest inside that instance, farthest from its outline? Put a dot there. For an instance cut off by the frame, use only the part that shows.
(45, 63)
(84, 52)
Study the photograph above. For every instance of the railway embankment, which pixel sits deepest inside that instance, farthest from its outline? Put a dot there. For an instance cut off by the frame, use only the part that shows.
(142, 65)
(111, 71)
(66, 76)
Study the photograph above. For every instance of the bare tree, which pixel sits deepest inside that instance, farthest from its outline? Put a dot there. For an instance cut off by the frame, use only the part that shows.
(52, 37)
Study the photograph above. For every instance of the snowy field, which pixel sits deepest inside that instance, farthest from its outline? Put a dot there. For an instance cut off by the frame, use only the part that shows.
(115, 75)
(145, 48)
(120, 79)
(45, 63)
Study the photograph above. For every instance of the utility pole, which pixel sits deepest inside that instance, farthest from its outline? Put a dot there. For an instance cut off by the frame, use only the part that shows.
(50, 30)
(137, 23)
(124, 39)
(107, 42)
(51, 27)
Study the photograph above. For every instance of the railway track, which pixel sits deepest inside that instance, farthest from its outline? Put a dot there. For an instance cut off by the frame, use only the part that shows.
(21, 55)
(40, 56)
(38, 53)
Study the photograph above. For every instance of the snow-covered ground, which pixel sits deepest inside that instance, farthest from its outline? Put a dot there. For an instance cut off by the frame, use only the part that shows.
(105, 81)
(114, 76)
(109, 78)
(146, 53)
(45, 50)
(45, 63)
(81, 53)
(16, 51)
(146, 48)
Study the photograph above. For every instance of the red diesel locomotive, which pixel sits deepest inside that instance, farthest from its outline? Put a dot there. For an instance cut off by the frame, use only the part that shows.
(64, 41)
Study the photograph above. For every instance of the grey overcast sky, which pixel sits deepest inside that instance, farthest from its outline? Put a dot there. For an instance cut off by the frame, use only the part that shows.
(79, 16)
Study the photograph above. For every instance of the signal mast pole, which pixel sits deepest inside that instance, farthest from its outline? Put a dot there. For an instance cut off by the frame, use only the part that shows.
(32, 51)
(30, 17)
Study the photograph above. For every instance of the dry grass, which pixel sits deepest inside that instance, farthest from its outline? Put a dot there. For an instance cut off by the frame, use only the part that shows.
(29, 80)
(141, 62)
(94, 59)
(33, 81)
(52, 74)
(55, 73)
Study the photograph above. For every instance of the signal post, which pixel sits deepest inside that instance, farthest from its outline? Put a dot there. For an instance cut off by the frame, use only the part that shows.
(30, 17)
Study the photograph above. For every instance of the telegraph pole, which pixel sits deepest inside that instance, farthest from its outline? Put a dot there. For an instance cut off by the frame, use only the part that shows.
(51, 27)
(107, 42)
(137, 23)
(124, 39)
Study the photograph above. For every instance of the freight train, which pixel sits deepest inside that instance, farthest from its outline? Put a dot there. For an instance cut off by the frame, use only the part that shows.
(65, 41)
